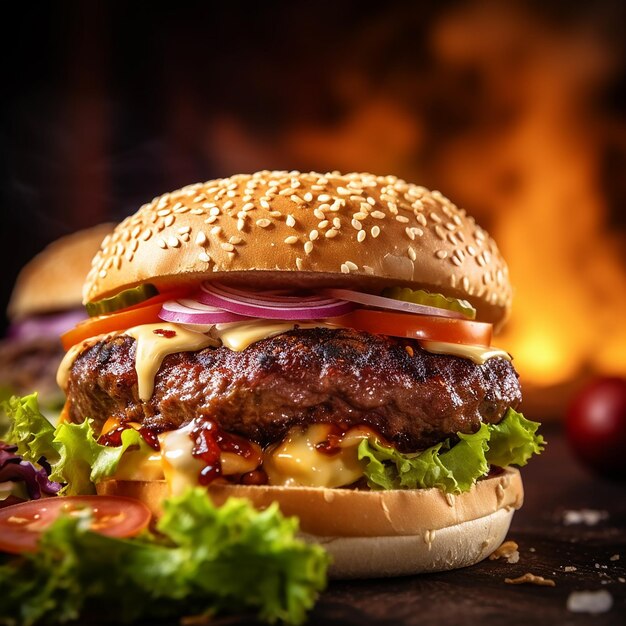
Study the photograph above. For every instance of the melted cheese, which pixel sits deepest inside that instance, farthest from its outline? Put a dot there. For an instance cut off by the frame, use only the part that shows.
(297, 462)
(477, 354)
(154, 343)
(180, 467)
(237, 336)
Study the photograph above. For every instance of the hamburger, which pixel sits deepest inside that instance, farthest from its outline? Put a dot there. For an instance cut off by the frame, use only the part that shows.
(45, 302)
(318, 340)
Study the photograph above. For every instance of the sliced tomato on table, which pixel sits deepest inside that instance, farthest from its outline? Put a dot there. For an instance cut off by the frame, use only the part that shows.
(426, 327)
(22, 524)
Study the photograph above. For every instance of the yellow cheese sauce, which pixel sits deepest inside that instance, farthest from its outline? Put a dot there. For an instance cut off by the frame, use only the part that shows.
(154, 343)
(477, 354)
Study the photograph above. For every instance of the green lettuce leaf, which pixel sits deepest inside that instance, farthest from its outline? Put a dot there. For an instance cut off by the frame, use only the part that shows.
(514, 440)
(77, 459)
(453, 468)
(29, 430)
(205, 560)
(83, 462)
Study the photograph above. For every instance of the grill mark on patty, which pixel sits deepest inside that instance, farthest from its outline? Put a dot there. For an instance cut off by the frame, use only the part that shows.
(300, 377)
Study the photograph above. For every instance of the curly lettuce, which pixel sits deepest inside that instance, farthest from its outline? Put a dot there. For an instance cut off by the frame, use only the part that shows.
(453, 468)
(77, 459)
(205, 560)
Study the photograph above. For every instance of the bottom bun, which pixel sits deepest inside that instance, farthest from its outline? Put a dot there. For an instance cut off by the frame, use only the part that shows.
(378, 533)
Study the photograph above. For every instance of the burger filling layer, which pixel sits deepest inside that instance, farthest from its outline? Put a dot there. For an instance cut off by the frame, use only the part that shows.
(296, 408)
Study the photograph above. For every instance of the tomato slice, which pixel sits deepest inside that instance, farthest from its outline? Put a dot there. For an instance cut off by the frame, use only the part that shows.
(109, 323)
(22, 524)
(427, 327)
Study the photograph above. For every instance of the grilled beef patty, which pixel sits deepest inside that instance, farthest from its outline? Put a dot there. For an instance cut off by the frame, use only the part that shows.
(412, 397)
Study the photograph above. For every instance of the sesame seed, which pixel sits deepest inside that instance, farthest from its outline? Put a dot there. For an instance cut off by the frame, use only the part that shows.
(308, 247)
(231, 194)
(146, 234)
(342, 191)
(285, 192)
(263, 223)
(441, 254)
(296, 199)
(308, 196)
(375, 231)
(276, 214)
(450, 226)
(465, 282)
(290, 221)
(195, 211)
(169, 220)
(203, 256)
(216, 230)
(324, 197)
(240, 224)
(264, 203)
(324, 207)
(229, 204)
(201, 238)
(295, 183)
(360, 236)
(370, 201)
(336, 223)
(337, 204)
(471, 250)
(378, 215)
(356, 224)
(291, 239)
(409, 233)
(235, 240)
(330, 234)
(440, 232)
(210, 219)
(456, 261)
(411, 254)
(360, 215)
(185, 237)
(452, 239)
(164, 212)
(227, 246)
(299, 263)
(351, 266)
(161, 243)
(248, 206)
(402, 219)
(356, 198)
(173, 242)
(323, 224)
(319, 214)
(135, 232)
(183, 229)
(102, 273)
(345, 269)
(313, 235)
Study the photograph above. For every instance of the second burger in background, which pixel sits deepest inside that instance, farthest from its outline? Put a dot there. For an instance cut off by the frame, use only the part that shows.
(46, 302)
(319, 340)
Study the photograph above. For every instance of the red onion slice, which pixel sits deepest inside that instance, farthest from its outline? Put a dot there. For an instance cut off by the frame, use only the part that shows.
(190, 312)
(272, 305)
(381, 302)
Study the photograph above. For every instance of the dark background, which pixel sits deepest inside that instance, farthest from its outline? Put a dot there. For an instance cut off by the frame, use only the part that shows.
(106, 105)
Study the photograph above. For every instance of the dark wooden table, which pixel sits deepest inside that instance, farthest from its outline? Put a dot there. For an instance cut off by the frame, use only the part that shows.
(555, 484)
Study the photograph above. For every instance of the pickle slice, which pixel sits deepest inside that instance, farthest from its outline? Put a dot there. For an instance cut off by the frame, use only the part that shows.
(122, 300)
(419, 296)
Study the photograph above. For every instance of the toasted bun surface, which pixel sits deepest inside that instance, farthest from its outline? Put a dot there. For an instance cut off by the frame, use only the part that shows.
(366, 531)
(52, 281)
(309, 230)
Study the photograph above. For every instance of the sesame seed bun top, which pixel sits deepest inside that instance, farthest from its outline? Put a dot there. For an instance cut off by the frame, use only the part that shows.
(308, 229)
(52, 281)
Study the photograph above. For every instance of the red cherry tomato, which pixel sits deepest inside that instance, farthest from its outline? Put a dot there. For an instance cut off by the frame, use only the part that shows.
(22, 524)
(596, 426)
